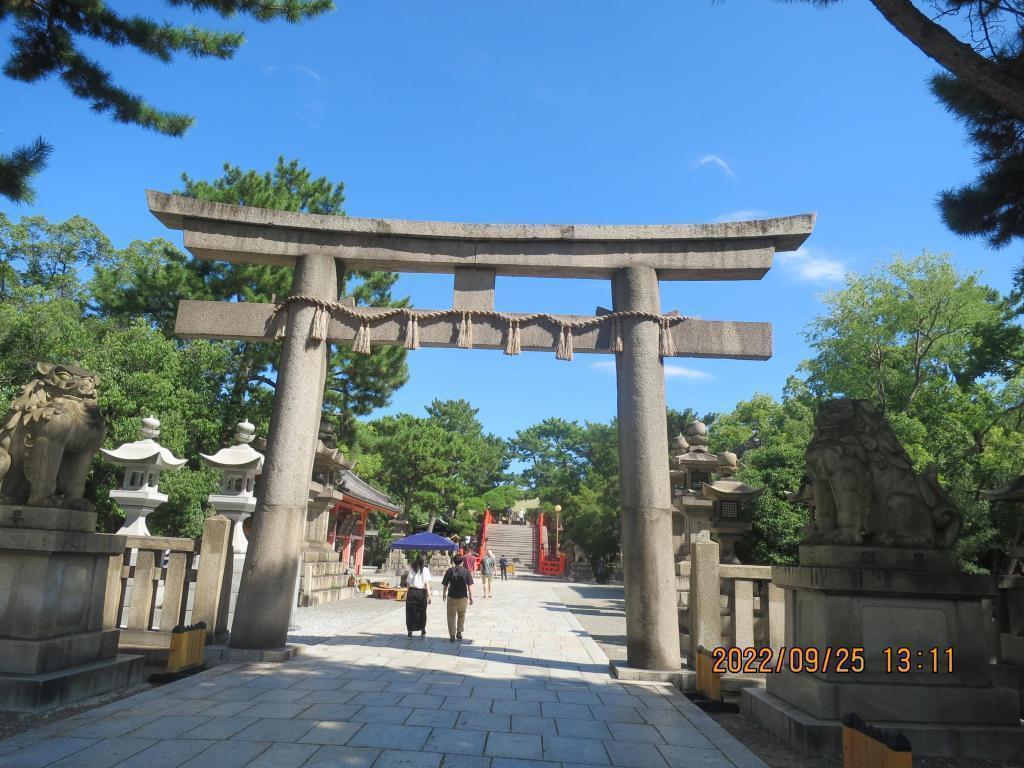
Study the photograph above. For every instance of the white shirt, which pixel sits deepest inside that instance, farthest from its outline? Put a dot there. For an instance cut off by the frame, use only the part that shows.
(419, 580)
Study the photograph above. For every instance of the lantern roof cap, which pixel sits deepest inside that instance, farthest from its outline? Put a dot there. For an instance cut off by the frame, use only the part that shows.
(731, 490)
(145, 451)
(238, 456)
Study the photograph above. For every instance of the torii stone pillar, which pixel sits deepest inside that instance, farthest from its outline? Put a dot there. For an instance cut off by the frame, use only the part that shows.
(633, 258)
(263, 608)
(652, 621)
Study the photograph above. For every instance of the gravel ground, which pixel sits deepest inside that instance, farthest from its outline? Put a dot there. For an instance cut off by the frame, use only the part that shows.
(600, 609)
(321, 623)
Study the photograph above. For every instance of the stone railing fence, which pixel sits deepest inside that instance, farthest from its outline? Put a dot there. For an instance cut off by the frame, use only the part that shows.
(161, 582)
(730, 606)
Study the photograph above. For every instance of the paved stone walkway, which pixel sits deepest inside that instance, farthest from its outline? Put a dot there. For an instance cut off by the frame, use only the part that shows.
(527, 688)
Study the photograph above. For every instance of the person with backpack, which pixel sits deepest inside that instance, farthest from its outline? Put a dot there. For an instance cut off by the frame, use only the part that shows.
(503, 565)
(457, 592)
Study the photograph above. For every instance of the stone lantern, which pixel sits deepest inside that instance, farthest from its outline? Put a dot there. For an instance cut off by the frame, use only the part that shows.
(239, 465)
(143, 461)
(706, 495)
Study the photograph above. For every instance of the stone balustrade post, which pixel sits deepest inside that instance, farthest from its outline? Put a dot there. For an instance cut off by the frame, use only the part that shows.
(705, 601)
(212, 594)
(742, 613)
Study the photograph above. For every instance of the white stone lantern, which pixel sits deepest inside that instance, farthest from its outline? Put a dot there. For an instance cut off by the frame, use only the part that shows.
(143, 461)
(238, 466)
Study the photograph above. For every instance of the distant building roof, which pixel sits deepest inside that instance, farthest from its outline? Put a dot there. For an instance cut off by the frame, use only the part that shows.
(352, 485)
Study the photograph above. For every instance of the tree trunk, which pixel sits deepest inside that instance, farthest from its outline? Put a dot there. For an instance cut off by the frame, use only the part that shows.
(958, 58)
(430, 527)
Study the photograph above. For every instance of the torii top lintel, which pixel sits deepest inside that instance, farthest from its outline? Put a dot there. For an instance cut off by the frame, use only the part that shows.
(741, 250)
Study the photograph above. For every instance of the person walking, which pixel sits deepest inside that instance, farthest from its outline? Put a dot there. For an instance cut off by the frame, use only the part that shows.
(503, 565)
(457, 590)
(469, 560)
(487, 572)
(417, 597)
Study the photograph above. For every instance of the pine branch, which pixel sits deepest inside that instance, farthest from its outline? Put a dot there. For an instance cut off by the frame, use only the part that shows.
(17, 168)
(292, 11)
(962, 60)
(88, 81)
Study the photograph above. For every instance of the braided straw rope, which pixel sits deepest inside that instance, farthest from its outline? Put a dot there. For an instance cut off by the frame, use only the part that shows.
(513, 345)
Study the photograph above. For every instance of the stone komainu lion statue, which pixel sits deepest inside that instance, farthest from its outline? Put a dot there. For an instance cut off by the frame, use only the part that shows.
(863, 486)
(49, 437)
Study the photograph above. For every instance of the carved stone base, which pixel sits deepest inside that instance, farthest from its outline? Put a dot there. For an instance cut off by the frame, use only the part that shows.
(46, 518)
(52, 591)
(810, 735)
(839, 556)
(874, 609)
(27, 693)
(32, 657)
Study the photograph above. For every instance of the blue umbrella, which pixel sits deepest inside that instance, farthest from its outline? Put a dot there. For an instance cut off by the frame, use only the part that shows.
(425, 541)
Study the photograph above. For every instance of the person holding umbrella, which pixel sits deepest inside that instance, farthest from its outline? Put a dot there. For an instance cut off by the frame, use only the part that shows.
(418, 595)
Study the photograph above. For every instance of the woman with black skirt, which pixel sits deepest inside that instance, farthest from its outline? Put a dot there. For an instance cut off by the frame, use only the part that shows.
(417, 597)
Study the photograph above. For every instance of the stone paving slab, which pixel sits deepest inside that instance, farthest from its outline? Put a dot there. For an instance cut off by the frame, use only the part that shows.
(527, 688)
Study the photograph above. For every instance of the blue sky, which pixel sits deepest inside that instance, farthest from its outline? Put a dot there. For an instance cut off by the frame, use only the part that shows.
(566, 112)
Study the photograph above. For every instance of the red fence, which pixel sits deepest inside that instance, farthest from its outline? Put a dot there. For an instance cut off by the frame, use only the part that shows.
(550, 562)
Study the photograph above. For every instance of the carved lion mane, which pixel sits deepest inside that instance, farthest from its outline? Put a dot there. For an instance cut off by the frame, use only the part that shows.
(49, 437)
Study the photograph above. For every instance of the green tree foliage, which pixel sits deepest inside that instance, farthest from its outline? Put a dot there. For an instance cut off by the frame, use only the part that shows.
(379, 546)
(44, 317)
(575, 466)
(54, 37)
(148, 280)
(915, 338)
(776, 464)
(486, 455)
(441, 466)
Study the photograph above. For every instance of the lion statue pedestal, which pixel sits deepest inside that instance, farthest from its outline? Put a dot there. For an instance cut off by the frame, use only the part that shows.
(879, 595)
(54, 568)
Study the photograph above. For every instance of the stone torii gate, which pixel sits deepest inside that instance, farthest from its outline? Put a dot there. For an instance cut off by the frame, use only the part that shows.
(634, 258)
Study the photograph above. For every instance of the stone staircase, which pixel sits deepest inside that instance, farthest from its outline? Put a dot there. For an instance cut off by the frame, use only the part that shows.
(514, 542)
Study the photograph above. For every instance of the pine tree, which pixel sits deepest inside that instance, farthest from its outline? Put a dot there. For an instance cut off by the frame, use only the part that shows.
(48, 41)
(983, 87)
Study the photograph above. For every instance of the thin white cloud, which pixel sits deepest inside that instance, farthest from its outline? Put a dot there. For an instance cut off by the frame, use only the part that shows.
(812, 266)
(717, 161)
(672, 370)
(744, 215)
(311, 72)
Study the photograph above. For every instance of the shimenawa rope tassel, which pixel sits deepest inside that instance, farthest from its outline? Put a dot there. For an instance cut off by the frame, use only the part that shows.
(361, 343)
(412, 332)
(321, 320)
(512, 340)
(465, 340)
(616, 343)
(666, 344)
(563, 350)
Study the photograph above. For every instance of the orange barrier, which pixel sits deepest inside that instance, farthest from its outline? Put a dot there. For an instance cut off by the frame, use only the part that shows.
(188, 646)
(867, 747)
(709, 682)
